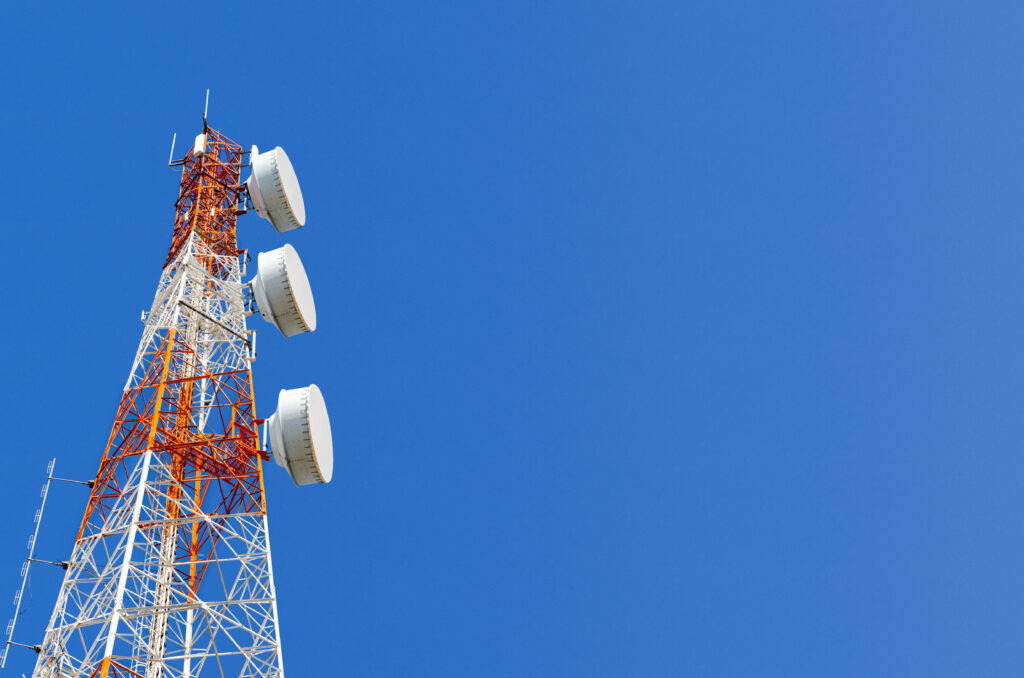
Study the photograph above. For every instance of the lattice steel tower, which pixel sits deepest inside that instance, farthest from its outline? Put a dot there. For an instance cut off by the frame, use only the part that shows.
(171, 575)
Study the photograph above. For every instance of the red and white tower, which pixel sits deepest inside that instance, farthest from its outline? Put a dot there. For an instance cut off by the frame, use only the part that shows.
(171, 574)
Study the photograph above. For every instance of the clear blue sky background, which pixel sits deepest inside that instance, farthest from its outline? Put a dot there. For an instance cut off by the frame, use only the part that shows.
(659, 339)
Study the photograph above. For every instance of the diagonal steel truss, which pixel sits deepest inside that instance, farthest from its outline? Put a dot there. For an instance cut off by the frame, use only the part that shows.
(171, 573)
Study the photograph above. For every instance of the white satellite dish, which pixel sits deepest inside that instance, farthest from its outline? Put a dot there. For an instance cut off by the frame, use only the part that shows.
(300, 436)
(274, 189)
(283, 295)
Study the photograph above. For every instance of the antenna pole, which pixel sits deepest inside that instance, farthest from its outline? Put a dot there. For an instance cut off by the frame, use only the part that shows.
(207, 108)
(25, 568)
(170, 160)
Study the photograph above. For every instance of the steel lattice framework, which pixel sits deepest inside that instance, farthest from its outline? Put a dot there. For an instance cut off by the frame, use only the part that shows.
(171, 573)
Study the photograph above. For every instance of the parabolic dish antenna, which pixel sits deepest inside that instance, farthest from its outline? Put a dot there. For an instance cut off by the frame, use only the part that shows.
(274, 190)
(282, 291)
(300, 436)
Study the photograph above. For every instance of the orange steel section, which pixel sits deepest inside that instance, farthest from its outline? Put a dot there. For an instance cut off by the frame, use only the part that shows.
(219, 466)
(109, 668)
(210, 196)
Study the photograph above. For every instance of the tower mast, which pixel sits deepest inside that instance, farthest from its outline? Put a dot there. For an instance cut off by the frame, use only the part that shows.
(171, 573)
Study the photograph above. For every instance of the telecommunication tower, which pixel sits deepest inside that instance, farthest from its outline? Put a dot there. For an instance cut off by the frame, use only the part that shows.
(170, 575)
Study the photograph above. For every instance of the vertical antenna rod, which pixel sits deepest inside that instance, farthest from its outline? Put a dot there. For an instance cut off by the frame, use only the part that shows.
(170, 160)
(25, 568)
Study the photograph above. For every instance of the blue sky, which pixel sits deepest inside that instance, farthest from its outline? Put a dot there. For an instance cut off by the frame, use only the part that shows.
(659, 339)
